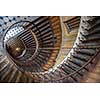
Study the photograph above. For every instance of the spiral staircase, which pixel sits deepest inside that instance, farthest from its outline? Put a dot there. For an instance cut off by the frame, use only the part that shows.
(30, 46)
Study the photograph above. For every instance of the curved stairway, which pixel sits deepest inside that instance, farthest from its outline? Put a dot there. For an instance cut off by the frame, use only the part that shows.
(42, 38)
(82, 58)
